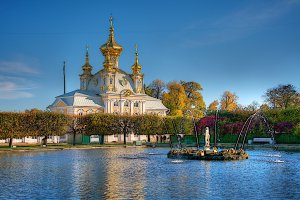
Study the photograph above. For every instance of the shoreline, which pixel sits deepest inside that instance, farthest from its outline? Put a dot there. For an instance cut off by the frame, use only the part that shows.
(64, 146)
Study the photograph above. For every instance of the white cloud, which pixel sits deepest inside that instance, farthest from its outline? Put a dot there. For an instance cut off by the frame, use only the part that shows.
(15, 95)
(16, 67)
(16, 86)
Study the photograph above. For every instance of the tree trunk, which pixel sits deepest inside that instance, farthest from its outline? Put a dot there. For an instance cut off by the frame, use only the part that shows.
(125, 138)
(148, 138)
(74, 138)
(45, 140)
(10, 142)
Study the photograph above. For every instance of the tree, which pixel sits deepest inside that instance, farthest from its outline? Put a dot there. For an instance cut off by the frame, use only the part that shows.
(213, 106)
(253, 106)
(175, 99)
(282, 96)
(195, 99)
(11, 126)
(155, 89)
(50, 123)
(229, 101)
(76, 126)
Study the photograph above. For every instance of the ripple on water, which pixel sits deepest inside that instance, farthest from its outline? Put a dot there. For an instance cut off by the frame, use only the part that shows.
(136, 173)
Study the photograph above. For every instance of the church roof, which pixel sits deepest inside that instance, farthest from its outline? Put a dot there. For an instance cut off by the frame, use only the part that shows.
(80, 98)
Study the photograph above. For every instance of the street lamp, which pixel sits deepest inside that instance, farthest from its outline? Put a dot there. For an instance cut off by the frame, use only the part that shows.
(195, 128)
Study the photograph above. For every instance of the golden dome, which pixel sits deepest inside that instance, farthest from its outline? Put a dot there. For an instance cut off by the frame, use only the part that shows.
(136, 67)
(111, 45)
(87, 68)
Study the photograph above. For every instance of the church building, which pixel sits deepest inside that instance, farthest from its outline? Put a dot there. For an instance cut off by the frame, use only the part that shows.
(109, 90)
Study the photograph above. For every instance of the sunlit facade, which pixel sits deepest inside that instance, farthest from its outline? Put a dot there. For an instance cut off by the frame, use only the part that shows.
(110, 90)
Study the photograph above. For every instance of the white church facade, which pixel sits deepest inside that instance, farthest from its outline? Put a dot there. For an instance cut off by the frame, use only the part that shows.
(110, 90)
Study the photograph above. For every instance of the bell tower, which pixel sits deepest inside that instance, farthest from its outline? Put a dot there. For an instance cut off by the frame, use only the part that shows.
(86, 76)
(137, 76)
(111, 51)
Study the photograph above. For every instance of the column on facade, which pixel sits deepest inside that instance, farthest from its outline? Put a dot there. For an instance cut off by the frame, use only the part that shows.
(131, 106)
(140, 107)
(111, 106)
(143, 106)
(105, 105)
(121, 105)
(108, 106)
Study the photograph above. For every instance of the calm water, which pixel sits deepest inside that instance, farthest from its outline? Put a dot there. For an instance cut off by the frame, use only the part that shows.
(138, 173)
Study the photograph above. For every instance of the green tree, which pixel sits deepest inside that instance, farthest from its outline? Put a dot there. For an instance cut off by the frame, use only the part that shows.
(282, 96)
(11, 126)
(50, 123)
(229, 101)
(156, 89)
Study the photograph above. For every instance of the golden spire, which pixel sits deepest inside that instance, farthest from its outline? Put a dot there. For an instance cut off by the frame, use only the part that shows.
(87, 68)
(136, 54)
(136, 67)
(111, 45)
(87, 54)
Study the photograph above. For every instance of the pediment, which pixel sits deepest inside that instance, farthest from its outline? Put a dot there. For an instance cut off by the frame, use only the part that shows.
(60, 103)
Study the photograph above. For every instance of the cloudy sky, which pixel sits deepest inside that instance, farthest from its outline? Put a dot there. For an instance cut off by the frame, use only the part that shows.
(242, 46)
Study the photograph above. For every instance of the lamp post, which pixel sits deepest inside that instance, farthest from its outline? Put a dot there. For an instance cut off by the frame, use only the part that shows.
(195, 128)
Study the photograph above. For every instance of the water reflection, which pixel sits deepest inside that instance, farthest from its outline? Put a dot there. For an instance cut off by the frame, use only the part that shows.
(138, 173)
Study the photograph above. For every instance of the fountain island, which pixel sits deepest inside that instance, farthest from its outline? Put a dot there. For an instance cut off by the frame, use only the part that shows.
(206, 153)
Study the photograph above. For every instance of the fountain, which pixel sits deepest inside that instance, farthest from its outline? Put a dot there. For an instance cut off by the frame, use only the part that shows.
(207, 153)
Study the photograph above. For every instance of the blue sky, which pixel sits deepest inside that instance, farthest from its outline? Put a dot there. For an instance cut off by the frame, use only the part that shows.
(242, 46)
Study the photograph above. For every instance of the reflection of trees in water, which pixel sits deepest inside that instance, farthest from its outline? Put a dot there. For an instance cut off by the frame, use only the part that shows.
(126, 174)
(87, 173)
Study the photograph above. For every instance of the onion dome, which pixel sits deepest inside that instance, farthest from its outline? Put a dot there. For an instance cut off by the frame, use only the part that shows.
(136, 67)
(111, 45)
(87, 68)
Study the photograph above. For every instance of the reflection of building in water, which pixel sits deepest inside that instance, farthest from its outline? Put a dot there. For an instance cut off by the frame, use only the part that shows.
(126, 174)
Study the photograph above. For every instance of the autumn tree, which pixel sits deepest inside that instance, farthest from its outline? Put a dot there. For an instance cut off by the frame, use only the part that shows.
(213, 106)
(195, 101)
(156, 88)
(11, 126)
(175, 99)
(229, 101)
(282, 96)
(50, 123)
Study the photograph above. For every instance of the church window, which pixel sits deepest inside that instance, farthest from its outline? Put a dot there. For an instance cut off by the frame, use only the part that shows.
(89, 111)
(80, 112)
(126, 104)
(111, 81)
(104, 82)
(116, 103)
(136, 104)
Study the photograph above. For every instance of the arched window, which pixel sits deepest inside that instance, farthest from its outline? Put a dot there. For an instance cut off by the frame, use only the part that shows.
(89, 111)
(126, 104)
(80, 112)
(136, 104)
(111, 81)
(116, 103)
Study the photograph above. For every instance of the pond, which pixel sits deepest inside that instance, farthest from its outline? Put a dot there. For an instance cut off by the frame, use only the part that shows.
(146, 173)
